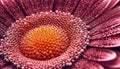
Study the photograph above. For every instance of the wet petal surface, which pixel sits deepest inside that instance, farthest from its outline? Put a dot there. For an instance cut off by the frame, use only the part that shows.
(115, 64)
(13, 9)
(93, 10)
(35, 6)
(98, 54)
(66, 5)
(5, 17)
(86, 64)
(108, 28)
(112, 4)
(105, 17)
(113, 41)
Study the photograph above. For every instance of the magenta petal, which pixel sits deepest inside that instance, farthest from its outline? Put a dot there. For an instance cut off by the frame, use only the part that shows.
(8, 67)
(12, 7)
(95, 10)
(35, 6)
(105, 17)
(41, 5)
(26, 5)
(66, 5)
(108, 28)
(5, 17)
(83, 7)
(112, 4)
(113, 41)
(110, 32)
(115, 64)
(86, 64)
(3, 29)
(98, 54)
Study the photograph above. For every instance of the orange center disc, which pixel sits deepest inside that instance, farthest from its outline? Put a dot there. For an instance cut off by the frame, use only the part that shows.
(44, 42)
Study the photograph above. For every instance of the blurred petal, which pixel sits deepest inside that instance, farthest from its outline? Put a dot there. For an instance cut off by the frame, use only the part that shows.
(113, 41)
(12, 7)
(105, 17)
(42, 5)
(35, 6)
(108, 28)
(98, 54)
(26, 6)
(1, 63)
(8, 67)
(66, 5)
(115, 64)
(83, 7)
(112, 4)
(5, 17)
(3, 29)
(93, 10)
(86, 64)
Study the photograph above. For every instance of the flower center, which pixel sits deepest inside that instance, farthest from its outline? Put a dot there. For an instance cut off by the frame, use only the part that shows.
(44, 42)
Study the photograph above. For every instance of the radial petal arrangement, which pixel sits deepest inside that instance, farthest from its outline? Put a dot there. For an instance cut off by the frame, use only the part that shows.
(59, 34)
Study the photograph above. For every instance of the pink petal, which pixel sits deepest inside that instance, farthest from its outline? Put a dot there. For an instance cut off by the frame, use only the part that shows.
(86, 64)
(95, 10)
(4, 16)
(115, 64)
(26, 6)
(42, 5)
(3, 29)
(105, 17)
(112, 4)
(35, 6)
(83, 7)
(66, 5)
(113, 41)
(108, 28)
(8, 67)
(98, 54)
(12, 7)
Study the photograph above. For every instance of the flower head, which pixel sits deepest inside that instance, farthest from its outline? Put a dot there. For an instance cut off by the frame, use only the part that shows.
(58, 34)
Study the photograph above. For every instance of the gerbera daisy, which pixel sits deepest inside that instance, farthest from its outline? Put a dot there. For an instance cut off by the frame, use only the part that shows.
(59, 34)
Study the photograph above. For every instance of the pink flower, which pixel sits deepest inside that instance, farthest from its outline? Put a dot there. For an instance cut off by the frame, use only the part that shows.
(59, 34)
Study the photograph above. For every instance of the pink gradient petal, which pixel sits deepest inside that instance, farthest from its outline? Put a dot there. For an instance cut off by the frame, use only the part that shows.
(12, 7)
(112, 4)
(42, 5)
(66, 5)
(94, 8)
(113, 64)
(35, 6)
(105, 17)
(96, 11)
(3, 29)
(86, 64)
(107, 42)
(108, 28)
(83, 7)
(26, 5)
(5, 17)
(98, 54)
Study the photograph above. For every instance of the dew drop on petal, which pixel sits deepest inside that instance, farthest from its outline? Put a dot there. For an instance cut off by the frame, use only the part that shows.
(98, 54)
